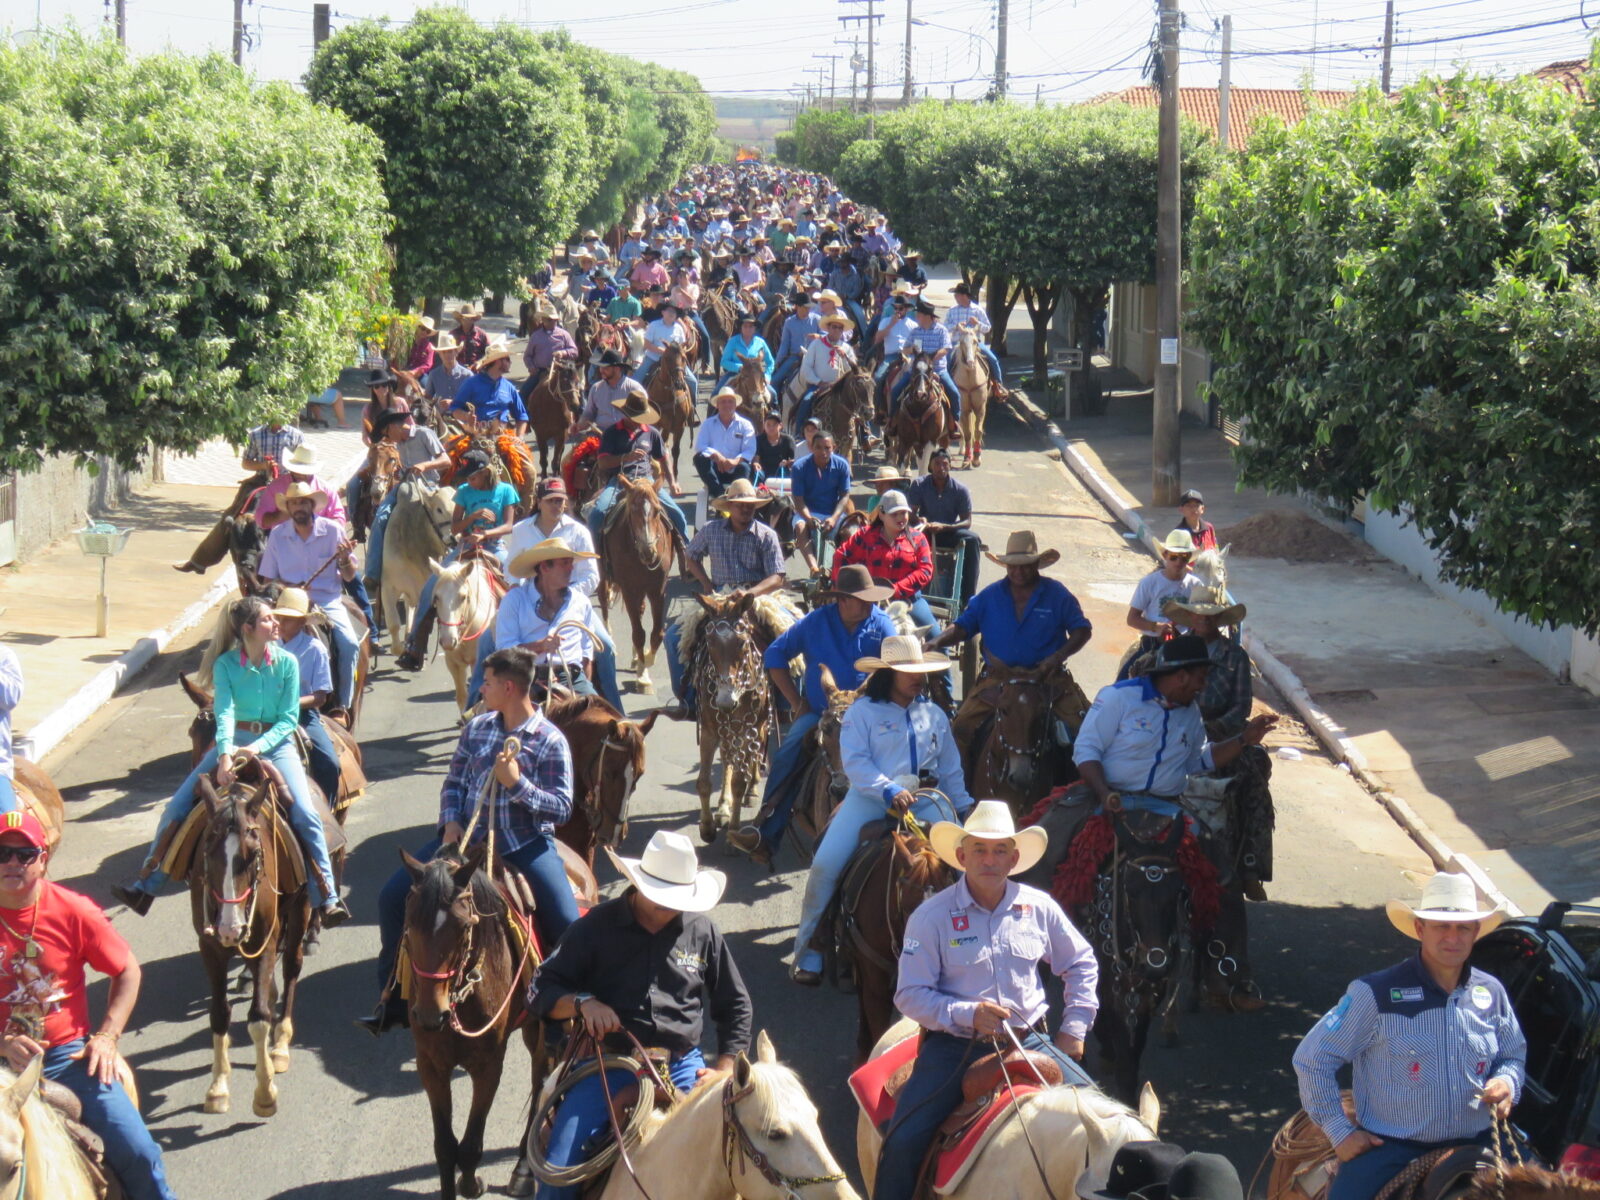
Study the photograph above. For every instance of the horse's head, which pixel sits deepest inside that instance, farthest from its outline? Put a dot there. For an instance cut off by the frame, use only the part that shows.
(1021, 734)
(1152, 908)
(619, 765)
(1107, 1125)
(729, 640)
(232, 855)
(203, 729)
(450, 896)
(775, 1147)
(13, 1135)
(829, 727)
(918, 872)
(456, 599)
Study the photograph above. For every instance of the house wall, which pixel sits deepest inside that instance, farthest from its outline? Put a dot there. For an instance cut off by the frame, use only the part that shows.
(58, 497)
(1132, 343)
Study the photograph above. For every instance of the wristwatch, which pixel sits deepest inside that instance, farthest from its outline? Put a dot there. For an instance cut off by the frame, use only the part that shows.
(577, 1001)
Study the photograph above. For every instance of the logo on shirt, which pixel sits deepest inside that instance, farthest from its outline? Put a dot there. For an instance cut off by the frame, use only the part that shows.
(1414, 1071)
(1481, 1067)
(687, 961)
(1482, 997)
(1404, 995)
(1335, 1016)
(963, 941)
(911, 946)
(958, 922)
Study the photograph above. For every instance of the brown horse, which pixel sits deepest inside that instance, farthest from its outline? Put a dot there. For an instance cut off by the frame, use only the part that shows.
(754, 388)
(970, 370)
(824, 784)
(636, 554)
(383, 472)
(772, 331)
(586, 334)
(921, 422)
(471, 957)
(670, 397)
(552, 406)
(721, 318)
(844, 409)
(607, 763)
(1010, 755)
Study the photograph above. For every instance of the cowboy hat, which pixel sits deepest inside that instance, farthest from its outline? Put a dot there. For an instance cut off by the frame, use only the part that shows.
(1204, 602)
(445, 344)
(1445, 897)
(990, 820)
(544, 311)
(836, 319)
(902, 652)
(468, 312)
(497, 350)
(379, 377)
(828, 294)
(1174, 654)
(1139, 1165)
(590, 235)
(1022, 549)
(1178, 542)
(892, 501)
(584, 256)
(551, 548)
(302, 460)
(740, 491)
(855, 581)
(636, 407)
(924, 307)
(1196, 1177)
(669, 874)
(904, 288)
(728, 392)
(610, 358)
(887, 474)
(426, 322)
(292, 602)
(301, 490)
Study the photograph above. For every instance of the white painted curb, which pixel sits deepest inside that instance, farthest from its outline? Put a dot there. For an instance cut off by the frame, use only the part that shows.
(1328, 731)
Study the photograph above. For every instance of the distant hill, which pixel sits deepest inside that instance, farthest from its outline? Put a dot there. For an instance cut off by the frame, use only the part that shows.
(752, 120)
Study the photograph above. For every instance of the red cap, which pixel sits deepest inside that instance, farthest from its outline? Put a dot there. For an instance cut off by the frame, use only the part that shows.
(551, 485)
(27, 825)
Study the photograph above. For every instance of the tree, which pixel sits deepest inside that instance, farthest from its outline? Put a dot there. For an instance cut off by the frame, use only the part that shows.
(687, 119)
(822, 137)
(1401, 299)
(185, 254)
(486, 141)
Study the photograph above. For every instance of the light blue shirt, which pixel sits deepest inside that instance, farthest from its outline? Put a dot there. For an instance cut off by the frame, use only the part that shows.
(736, 439)
(895, 340)
(315, 673)
(10, 697)
(294, 560)
(1143, 746)
(797, 331)
(756, 347)
(518, 623)
(885, 749)
(960, 314)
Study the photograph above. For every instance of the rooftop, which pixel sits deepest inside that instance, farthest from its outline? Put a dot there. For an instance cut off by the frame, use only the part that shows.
(1246, 106)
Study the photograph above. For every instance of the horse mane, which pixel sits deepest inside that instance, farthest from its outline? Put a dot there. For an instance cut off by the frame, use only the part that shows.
(927, 870)
(55, 1166)
(563, 708)
(437, 887)
(772, 616)
(1212, 568)
(1528, 1178)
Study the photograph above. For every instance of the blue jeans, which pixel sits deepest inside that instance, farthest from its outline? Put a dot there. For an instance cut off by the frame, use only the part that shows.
(356, 589)
(302, 817)
(605, 667)
(931, 1094)
(995, 371)
(8, 794)
(583, 1117)
(324, 757)
(131, 1153)
(923, 615)
(539, 862)
(1363, 1176)
(833, 855)
(425, 602)
(783, 779)
(942, 374)
(603, 503)
(705, 337)
(783, 372)
(681, 687)
(648, 366)
(372, 570)
(717, 480)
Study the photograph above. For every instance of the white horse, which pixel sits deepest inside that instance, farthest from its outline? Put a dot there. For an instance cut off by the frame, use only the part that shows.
(467, 604)
(682, 1151)
(38, 1158)
(414, 539)
(1067, 1126)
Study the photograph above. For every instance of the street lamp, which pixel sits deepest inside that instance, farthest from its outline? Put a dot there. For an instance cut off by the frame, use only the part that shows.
(970, 33)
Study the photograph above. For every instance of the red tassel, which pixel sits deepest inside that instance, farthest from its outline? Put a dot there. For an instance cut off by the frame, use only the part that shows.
(1200, 876)
(1073, 881)
(1044, 806)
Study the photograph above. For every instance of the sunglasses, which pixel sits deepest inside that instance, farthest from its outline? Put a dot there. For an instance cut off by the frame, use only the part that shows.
(21, 854)
(1175, 557)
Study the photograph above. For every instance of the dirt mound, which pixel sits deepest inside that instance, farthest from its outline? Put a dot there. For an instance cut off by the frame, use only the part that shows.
(1293, 536)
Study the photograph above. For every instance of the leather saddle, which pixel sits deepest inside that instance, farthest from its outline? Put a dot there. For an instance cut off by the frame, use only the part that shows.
(837, 937)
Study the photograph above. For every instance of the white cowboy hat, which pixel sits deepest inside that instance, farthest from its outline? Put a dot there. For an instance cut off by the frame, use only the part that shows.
(1021, 550)
(990, 820)
(669, 874)
(1178, 542)
(497, 350)
(302, 460)
(426, 322)
(837, 319)
(292, 602)
(300, 490)
(726, 391)
(828, 294)
(1445, 897)
(445, 342)
(551, 548)
(902, 652)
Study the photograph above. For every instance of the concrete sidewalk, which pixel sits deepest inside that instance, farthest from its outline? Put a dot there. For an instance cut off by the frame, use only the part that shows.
(1473, 745)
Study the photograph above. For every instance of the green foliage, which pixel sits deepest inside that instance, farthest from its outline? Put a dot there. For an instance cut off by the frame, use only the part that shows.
(687, 120)
(784, 148)
(185, 254)
(821, 138)
(1400, 297)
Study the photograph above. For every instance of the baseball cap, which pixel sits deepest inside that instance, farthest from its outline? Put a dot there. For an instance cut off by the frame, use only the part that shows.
(27, 825)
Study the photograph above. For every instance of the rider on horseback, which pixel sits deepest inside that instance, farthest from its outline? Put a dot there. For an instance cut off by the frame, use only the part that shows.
(970, 970)
(490, 395)
(826, 361)
(747, 343)
(266, 452)
(421, 454)
(965, 312)
(895, 742)
(548, 343)
(658, 335)
(798, 331)
(1172, 578)
(933, 339)
(316, 683)
(632, 448)
(532, 616)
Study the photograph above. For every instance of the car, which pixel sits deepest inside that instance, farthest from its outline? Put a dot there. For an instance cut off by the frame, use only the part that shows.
(1550, 967)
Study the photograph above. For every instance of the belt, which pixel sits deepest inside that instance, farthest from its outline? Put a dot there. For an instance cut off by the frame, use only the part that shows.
(546, 670)
(254, 726)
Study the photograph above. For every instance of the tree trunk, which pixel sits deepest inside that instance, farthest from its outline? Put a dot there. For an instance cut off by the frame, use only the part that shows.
(433, 306)
(1001, 300)
(1041, 302)
(1086, 393)
(497, 305)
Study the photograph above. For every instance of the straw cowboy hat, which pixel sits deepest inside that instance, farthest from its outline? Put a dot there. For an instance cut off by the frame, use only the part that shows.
(426, 322)
(551, 548)
(740, 491)
(1022, 550)
(855, 581)
(726, 393)
(836, 321)
(902, 652)
(828, 294)
(292, 602)
(887, 474)
(446, 344)
(990, 820)
(636, 407)
(1204, 602)
(544, 310)
(590, 235)
(497, 350)
(1445, 897)
(669, 874)
(301, 490)
(1178, 542)
(302, 460)
(583, 256)
(468, 312)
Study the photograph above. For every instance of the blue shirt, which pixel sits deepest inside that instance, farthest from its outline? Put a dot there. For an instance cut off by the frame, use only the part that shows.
(1144, 747)
(820, 488)
(1051, 614)
(886, 748)
(10, 697)
(822, 638)
(756, 347)
(490, 399)
(500, 499)
(542, 797)
(931, 340)
(1418, 1057)
(797, 331)
(315, 673)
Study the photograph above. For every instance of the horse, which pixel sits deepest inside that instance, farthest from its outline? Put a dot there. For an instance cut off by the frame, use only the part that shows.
(607, 764)
(779, 312)
(40, 1159)
(824, 784)
(670, 397)
(636, 554)
(970, 370)
(844, 409)
(383, 462)
(466, 597)
(471, 957)
(1013, 747)
(921, 422)
(551, 409)
(418, 527)
(754, 388)
(721, 318)
(586, 333)
(1060, 1143)
(722, 648)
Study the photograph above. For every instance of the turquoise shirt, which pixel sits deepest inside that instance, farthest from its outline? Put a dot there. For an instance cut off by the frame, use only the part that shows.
(500, 500)
(266, 693)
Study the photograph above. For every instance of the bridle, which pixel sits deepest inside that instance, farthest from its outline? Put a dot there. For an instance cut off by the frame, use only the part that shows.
(465, 972)
(252, 891)
(488, 622)
(1000, 746)
(593, 810)
(738, 1146)
(1128, 979)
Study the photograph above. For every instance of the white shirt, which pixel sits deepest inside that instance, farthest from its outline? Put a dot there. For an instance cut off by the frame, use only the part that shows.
(736, 439)
(526, 534)
(885, 748)
(1144, 746)
(1154, 590)
(519, 623)
(825, 361)
(10, 697)
(660, 333)
(895, 340)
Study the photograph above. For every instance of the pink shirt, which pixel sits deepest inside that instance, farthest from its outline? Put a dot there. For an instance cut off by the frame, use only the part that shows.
(647, 275)
(268, 501)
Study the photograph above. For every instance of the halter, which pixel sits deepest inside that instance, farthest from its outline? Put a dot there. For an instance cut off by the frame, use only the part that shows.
(249, 897)
(487, 625)
(745, 740)
(998, 737)
(459, 992)
(592, 810)
(737, 1145)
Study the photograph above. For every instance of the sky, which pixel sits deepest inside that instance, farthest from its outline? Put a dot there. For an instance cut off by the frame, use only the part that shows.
(1058, 50)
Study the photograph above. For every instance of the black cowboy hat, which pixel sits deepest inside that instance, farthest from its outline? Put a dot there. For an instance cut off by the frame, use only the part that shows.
(472, 462)
(611, 358)
(924, 307)
(961, 289)
(1140, 1165)
(389, 418)
(750, 317)
(1197, 1177)
(380, 378)
(1185, 650)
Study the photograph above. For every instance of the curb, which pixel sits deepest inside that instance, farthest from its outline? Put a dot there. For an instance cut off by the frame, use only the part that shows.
(1327, 730)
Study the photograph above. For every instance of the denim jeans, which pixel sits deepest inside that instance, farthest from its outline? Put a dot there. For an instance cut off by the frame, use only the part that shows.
(681, 687)
(324, 757)
(302, 817)
(1363, 1176)
(931, 1094)
(356, 588)
(539, 862)
(997, 373)
(783, 779)
(583, 1117)
(603, 503)
(716, 479)
(705, 337)
(372, 569)
(346, 649)
(783, 372)
(8, 794)
(131, 1153)
(942, 374)
(425, 602)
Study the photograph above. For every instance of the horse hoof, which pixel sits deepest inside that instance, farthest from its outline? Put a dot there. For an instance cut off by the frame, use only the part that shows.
(470, 1186)
(217, 1104)
(708, 832)
(521, 1185)
(269, 1109)
(280, 1062)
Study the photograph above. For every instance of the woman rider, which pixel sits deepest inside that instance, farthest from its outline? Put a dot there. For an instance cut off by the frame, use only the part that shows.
(895, 553)
(257, 692)
(894, 741)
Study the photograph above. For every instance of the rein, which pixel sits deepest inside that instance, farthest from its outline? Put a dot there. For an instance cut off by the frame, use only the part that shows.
(737, 1146)
(488, 623)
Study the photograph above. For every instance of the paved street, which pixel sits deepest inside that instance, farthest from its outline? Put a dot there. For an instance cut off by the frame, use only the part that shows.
(352, 1120)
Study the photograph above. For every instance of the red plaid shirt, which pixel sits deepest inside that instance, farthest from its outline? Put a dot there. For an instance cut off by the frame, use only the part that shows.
(906, 565)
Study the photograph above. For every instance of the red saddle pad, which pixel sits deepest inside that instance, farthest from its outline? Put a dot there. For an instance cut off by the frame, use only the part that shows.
(951, 1160)
(868, 1081)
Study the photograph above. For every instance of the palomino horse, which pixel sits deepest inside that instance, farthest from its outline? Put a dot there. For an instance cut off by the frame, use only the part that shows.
(39, 1158)
(844, 409)
(551, 409)
(670, 397)
(1060, 1143)
(471, 957)
(636, 553)
(722, 657)
(754, 388)
(416, 535)
(970, 370)
(383, 471)
(920, 423)
(467, 598)
(607, 764)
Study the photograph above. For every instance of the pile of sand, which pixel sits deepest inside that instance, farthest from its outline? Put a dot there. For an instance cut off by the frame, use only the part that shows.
(1294, 536)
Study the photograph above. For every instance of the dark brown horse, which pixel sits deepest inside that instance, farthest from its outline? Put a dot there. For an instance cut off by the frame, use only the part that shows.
(721, 318)
(471, 958)
(670, 397)
(922, 420)
(383, 472)
(844, 409)
(824, 784)
(636, 555)
(754, 388)
(552, 407)
(607, 763)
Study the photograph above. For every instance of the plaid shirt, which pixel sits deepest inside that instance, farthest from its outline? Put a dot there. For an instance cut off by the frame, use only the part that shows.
(471, 345)
(266, 442)
(906, 565)
(738, 559)
(542, 798)
(931, 340)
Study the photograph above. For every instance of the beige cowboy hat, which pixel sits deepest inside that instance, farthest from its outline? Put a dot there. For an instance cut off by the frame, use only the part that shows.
(741, 491)
(827, 294)
(497, 350)
(1178, 542)
(856, 582)
(887, 474)
(669, 874)
(544, 310)
(990, 820)
(446, 344)
(468, 312)
(725, 391)
(902, 288)
(837, 320)
(1204, 602)
(590, 235)
(1445, 897)
(636, 407)
(302, 460)
(551, 548)
(1022, 550)
(301, 490)
(786, 223)
(292, 602)
(902, 652)
(426, 322)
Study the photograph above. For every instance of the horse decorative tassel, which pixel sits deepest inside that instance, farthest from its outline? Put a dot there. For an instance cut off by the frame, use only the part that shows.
(1074, 880)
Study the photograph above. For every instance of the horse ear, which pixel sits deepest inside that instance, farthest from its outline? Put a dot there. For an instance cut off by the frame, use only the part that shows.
(705, 603)
(764, 1051)
(434, 565)
(1149, 1106)
(645, 726)
(414, 867)
(258, 796)
(194, 692)
(472, 864)
(22, 1090)
(741, 1071)
(830, 688)
(208, 793)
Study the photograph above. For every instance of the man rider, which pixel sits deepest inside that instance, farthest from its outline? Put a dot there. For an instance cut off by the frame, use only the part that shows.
(469, 336)
(932, 339)
(267, 450)
(827, 360)
(548, 343)
(633, 449)
(798, 329)
(490, 395)
(422, 456)
(965, 312)
(600, 409)
(820, 493)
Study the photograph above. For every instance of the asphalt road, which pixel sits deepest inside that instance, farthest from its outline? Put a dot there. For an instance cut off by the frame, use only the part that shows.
(352, 1120)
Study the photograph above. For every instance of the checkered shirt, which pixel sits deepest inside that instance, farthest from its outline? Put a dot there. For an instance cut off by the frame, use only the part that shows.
(542, 798)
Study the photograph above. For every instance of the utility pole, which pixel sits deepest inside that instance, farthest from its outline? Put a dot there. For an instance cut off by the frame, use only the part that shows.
(906, 95)
(122, 22)
(1388, 46)
(1223, 84)
(321, 23)
(1000, 51)
(1166, 443)
(238, 33)
(833, 62)
(871, 17)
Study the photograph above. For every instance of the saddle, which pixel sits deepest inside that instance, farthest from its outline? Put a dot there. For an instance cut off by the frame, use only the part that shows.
(352, 778)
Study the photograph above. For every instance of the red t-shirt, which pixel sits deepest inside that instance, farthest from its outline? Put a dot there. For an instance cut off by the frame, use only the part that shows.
(70, 931)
